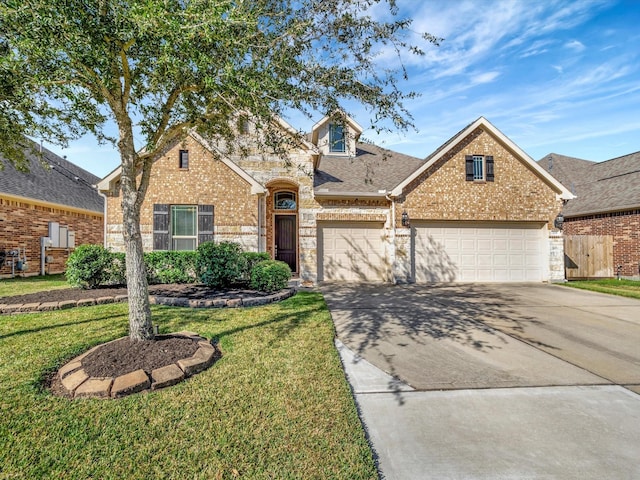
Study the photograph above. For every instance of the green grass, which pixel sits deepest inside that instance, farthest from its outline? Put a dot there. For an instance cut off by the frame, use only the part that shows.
(24, 285)
(275, 406)
(624, 288)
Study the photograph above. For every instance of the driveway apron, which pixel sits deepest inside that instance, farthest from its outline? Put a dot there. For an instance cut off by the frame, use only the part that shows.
(493, 381)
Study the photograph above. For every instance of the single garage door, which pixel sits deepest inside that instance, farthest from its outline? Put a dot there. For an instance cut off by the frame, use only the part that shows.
(352, 253)
(457, 252)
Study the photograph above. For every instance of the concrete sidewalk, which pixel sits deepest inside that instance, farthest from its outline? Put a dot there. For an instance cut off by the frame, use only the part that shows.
(552, 433)
(512, 407)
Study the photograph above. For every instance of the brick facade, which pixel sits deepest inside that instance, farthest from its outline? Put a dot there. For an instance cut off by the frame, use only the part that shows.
(23, 223)
(516, 195)
(625, 229)
(207, 181)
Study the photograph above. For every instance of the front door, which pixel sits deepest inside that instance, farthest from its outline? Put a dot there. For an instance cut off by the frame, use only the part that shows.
(285, 241)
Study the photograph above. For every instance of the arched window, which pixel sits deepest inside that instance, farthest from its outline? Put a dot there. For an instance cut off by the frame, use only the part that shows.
(284, 201)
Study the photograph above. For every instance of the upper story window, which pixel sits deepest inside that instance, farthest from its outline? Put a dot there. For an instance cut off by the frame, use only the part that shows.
(183, 161)
(284, 201)
(479, 168)
(337, 142)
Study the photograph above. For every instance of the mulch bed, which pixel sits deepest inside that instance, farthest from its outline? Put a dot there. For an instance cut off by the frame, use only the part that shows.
(191, 291)
(124, 356)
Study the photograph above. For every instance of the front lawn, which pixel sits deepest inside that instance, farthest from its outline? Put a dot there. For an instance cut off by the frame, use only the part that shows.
(275, 406)
(624, 288)
(24, 285)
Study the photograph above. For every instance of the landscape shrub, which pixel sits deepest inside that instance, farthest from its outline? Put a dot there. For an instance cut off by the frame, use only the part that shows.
(87, 266)
(249, 260)
(171, 266)
(116, 271)
(219, 264)
(270, 276)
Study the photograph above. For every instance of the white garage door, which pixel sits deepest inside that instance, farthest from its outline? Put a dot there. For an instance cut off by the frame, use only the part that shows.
(352, 253)
(453, 252)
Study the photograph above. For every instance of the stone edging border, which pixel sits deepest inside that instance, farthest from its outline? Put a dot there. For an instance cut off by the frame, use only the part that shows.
(77, 384)
(154, 299)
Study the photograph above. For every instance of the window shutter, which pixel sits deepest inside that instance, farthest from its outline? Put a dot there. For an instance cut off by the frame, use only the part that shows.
(160, 226)
(468, 159)
(205, 223)
(489, 164)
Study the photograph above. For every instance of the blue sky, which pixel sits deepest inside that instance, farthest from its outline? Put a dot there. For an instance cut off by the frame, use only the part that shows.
(554, 76)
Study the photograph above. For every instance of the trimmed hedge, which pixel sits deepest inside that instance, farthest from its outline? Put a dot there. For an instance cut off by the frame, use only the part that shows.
(219, 264)
(171, 266)
(88, 266)
(250, 260)
(270, 276)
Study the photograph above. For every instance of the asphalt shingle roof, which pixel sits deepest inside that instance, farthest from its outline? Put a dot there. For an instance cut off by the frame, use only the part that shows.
(372, 169)
(613, 185)
(51, 179)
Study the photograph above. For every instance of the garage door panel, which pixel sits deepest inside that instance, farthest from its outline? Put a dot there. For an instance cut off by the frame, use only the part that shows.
(353, 253)
(508, 253)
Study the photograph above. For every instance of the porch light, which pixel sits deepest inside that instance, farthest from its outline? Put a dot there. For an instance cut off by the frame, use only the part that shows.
(405, 219)
(559, 221)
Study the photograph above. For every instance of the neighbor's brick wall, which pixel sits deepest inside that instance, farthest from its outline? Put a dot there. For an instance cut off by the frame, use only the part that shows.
(207, 181)
(442, 193)
(625, 229)
(23, 223)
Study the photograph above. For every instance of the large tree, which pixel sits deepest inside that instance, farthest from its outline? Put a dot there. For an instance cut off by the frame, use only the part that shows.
(165, 67)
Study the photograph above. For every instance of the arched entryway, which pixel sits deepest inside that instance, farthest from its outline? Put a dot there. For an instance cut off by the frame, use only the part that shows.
(282, 215)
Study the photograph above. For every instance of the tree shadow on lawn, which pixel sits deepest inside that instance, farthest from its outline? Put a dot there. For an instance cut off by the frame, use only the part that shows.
(284, 317)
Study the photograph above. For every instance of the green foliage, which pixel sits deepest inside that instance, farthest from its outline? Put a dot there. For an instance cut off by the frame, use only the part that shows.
(116, 271)
(219, 264)
(255, 418)
(249, 260)
(170, 67)
(270, 276)
(88, 265)
(170, 266)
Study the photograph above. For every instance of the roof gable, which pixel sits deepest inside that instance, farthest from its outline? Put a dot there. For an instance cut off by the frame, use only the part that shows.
(256, 188)
(454, 141)
(51, 179)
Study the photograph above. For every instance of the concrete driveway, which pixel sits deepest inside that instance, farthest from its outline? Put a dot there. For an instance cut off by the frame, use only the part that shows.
(493, 381)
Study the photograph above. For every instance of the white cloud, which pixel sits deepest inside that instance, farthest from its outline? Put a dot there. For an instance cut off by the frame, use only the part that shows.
(575, 45)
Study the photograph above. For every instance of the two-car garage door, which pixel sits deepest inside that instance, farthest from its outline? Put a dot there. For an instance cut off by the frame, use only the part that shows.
(440, 252)
(469, 252)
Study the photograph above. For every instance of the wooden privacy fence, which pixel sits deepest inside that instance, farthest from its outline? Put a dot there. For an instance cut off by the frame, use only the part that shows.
(588, 256)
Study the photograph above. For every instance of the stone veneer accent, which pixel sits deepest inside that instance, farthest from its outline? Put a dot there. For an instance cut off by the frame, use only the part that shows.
(518, 194)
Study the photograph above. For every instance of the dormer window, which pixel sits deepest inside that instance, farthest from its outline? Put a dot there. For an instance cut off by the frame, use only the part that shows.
(337, 142)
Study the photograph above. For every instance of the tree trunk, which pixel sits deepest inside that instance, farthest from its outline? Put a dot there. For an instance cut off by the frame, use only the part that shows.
(140, 326)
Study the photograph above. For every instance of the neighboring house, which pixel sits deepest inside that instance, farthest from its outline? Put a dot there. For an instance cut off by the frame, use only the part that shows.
(607, 203)
(478, 209)
(54, 198)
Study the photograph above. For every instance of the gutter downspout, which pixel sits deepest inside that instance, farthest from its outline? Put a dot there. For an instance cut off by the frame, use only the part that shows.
(393, 235)
(104, 217)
